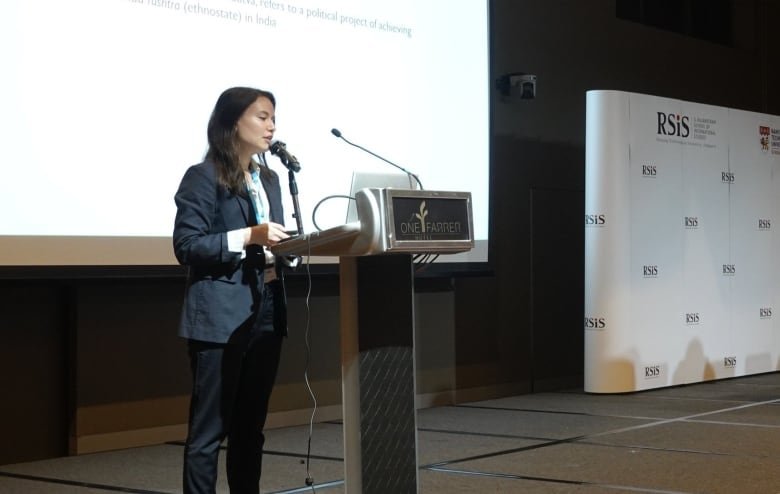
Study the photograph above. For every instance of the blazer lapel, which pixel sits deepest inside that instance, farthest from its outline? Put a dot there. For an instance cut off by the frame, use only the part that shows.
(272, 192)
(246, 210)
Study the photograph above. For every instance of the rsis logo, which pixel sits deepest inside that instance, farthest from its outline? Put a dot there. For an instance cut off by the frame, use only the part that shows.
(671, 124)
(729, 270)
(764, 225)
(729, 362)
(595, 323)
(691, 222)
(763, 132)
(650, 271)
(727, 177)
(691, 318)
(765, 313)
(649, 171)
(652, 371)
(595, 219)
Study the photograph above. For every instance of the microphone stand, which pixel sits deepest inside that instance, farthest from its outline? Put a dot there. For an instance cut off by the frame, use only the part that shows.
(296, 206)
(283, 157)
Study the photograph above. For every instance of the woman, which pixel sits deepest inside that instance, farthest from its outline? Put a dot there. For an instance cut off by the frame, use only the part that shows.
(234, 317)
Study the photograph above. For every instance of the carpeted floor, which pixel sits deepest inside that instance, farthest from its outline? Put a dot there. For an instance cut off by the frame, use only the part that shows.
(716, 437)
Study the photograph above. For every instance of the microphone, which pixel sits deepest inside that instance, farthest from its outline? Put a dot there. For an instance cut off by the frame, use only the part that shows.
(279, 149)
(337, 133)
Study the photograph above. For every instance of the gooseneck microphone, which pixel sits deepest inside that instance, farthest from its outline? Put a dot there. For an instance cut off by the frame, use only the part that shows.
(337, 133)
(279, 149)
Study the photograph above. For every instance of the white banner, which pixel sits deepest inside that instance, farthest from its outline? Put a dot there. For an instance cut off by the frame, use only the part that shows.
(681, 262)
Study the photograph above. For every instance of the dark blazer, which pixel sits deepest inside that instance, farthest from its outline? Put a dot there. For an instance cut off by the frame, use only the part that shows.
(223, 290)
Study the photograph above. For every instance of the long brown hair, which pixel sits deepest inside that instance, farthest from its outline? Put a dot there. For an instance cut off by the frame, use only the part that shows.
(222, 135)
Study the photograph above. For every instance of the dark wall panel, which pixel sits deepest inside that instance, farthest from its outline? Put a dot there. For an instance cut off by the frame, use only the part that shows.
(557, 287)
(33, 371)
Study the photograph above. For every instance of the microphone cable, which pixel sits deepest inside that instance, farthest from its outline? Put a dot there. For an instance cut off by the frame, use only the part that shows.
(423, 260)
(309, 479)
(316, 206)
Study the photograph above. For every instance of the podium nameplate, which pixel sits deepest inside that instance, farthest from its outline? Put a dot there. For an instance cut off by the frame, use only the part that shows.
(428, 221)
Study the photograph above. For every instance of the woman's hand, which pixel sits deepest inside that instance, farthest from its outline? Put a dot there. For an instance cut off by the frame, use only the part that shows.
(267, 234)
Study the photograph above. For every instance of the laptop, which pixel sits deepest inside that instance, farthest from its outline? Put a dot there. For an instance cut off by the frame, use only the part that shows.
(362, 180)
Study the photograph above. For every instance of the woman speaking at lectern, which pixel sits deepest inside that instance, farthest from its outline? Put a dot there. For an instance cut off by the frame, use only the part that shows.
(234, 317)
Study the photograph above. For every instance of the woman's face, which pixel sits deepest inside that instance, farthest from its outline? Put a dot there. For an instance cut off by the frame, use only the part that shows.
(255, 129)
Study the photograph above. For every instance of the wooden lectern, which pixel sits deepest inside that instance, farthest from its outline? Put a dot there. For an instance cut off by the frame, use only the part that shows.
(377, 322)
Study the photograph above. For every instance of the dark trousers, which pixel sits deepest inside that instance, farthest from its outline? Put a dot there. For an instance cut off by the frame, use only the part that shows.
(232, 384)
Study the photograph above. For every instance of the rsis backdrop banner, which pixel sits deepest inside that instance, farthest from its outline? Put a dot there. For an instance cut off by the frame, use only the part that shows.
(682, 258)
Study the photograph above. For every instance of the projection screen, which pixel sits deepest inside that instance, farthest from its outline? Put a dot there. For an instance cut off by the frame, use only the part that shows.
(105, 105)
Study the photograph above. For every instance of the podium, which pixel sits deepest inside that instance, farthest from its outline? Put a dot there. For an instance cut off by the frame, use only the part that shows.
(376, 275)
